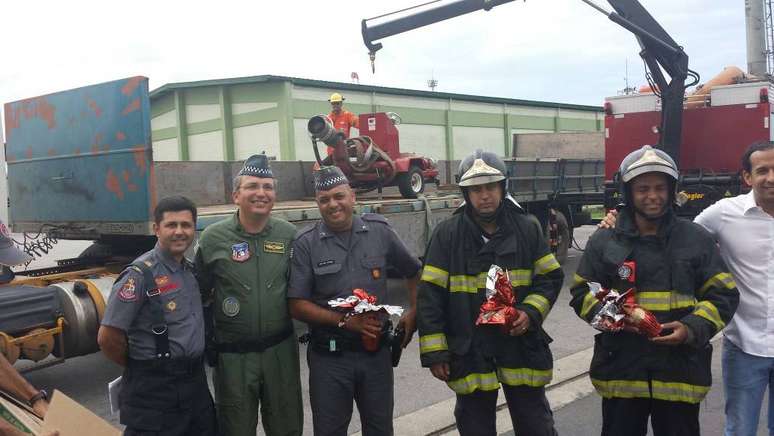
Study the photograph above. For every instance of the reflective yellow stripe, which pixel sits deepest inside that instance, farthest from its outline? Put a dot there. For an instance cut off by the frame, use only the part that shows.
(540, 303)
(667, 391)
(589, 301)
(520, 277)
(471, 383)
(524, 376)
(578, 280)
(621, 388)
(708, 311)
(664, 300)
(470, 284)
(674, 391)
(721, 280)
(431, 343)
(435, 275)
(546, 264)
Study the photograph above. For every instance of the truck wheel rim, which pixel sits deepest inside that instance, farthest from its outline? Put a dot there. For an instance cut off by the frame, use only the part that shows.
(416, 182)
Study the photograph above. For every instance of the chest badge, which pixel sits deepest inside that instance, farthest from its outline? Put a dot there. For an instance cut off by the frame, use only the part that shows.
(240, 252)
(162, 280)
(127, 291)
(230, 307)
(627, 271)
(171, 305)
(274, 247)
(376, 273)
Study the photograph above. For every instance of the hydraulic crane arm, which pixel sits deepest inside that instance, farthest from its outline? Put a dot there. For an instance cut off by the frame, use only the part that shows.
(420, 19)
(659, 51)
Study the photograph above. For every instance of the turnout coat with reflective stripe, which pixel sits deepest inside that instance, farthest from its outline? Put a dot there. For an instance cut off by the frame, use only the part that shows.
(679, 276)
(452, 290)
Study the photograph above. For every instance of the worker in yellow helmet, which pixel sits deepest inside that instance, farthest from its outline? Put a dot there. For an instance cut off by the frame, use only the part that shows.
(342, 119)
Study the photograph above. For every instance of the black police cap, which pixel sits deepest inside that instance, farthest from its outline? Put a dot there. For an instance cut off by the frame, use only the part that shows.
(328, 177)
(257, 165)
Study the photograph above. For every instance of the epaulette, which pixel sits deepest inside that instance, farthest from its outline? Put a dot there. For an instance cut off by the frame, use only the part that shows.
(374, 218)
(133, 267)
(305, 230)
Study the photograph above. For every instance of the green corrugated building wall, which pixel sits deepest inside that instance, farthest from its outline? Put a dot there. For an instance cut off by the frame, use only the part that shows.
(230, 119)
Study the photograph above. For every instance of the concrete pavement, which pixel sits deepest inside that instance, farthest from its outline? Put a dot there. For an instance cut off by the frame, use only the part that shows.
(423, 405)
(577, 408)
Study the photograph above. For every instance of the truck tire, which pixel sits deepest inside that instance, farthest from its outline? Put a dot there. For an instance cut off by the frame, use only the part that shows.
(564, 235)
(98, 250)
(411, 183)
(120, 246)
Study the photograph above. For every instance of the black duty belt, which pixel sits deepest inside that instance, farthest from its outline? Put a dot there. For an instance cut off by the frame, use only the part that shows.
(333, 341)
(167, 366)
(256, 346)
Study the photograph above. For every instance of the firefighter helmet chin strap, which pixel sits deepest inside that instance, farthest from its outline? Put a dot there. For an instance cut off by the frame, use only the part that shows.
(664, 210)
(650, 218)
(483, 218)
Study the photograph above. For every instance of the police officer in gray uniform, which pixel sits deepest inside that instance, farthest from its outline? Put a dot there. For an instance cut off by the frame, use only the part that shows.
(153, 327)
(329, 260)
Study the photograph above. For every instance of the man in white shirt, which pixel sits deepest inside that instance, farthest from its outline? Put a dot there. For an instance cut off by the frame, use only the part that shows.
(744, 228)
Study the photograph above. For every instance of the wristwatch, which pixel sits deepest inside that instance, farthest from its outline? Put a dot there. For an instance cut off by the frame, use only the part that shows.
(343, 321)
(41, 395)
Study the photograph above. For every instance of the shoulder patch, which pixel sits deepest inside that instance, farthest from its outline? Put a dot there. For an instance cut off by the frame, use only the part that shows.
(374, 218)
(128, 291)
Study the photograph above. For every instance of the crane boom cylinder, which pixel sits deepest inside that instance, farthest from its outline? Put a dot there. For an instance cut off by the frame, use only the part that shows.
(423, 18)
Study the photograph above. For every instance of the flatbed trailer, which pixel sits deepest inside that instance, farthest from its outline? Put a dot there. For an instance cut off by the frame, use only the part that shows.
(81, 167)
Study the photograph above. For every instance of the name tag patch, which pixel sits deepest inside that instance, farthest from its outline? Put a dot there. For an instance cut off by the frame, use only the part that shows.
(240, 252)
(274, 247)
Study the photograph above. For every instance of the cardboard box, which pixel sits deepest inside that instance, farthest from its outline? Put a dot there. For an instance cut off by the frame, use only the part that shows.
(64, 414)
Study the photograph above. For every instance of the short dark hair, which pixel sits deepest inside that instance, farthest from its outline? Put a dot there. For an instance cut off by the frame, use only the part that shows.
(175, 203)
(755, 146)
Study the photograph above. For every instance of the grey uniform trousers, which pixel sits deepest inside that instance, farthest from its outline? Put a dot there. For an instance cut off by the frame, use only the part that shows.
(335, 379)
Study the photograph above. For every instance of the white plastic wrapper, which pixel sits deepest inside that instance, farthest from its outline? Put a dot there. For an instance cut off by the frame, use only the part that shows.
(359, 305)
(491, 280)
(611, 317)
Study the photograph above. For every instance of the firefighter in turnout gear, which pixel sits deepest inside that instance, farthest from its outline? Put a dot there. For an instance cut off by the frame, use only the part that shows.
(676, 272)
(490, 228)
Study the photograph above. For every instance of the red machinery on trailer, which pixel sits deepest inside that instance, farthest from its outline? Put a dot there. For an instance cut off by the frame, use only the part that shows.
(374, 160)
(717, 128)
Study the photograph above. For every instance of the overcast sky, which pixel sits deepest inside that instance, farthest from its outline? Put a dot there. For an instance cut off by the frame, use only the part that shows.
(550, 50)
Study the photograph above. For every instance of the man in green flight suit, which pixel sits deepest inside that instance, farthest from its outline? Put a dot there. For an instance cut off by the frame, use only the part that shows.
(242, 267)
